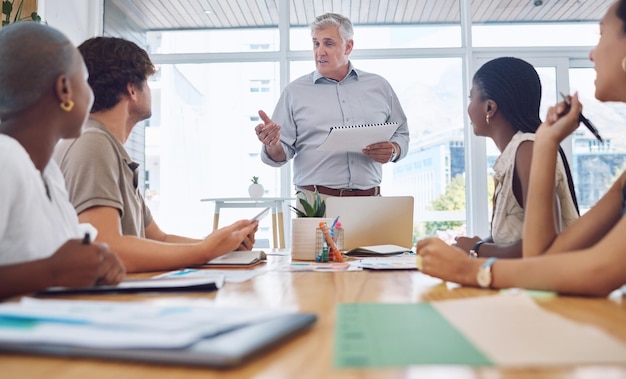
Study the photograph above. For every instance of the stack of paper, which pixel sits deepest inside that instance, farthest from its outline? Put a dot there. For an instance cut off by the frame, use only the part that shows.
(402, 262)
(173, 284)
(104, 324)
(377, 251)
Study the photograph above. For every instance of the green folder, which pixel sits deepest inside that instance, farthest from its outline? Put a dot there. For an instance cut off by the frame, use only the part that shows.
(388, 335)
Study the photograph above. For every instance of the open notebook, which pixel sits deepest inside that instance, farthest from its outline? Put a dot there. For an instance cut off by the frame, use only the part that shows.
(374, 220)
(238, 259)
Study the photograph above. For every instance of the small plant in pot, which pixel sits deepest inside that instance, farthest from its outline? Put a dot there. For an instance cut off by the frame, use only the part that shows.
(304, 227)
(316, 209)
(256, 189)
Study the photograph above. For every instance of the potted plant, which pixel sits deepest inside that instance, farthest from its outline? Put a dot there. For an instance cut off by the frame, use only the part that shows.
(256, 189)
(7, 9)
(317, 209)
(304, 227)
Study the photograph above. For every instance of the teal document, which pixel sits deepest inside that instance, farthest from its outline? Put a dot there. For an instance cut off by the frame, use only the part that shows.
(387, 335)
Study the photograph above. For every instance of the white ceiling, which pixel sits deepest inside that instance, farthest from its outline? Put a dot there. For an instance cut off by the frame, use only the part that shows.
(209, 14)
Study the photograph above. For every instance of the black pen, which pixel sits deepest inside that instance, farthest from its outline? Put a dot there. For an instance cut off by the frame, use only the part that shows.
(87, 239)
(582, 118)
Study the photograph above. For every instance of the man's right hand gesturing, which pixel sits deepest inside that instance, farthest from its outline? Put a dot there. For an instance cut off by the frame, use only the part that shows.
(268, 132)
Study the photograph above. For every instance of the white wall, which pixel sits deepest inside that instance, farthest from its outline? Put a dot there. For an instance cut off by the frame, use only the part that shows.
(77, 19)
(80, 20)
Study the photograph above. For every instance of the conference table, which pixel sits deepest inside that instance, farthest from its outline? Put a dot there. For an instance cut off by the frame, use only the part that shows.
(310, 354)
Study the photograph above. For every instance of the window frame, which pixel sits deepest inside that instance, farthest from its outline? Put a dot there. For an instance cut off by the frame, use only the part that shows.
(477, 207)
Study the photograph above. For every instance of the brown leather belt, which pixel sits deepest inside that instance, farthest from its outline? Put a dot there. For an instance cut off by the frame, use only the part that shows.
(375, 191)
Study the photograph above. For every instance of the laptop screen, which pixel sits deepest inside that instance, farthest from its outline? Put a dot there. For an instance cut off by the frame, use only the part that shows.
(373, 220)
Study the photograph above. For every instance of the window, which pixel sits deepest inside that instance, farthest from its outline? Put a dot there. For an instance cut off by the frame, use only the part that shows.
(535, 35)
(206, 134)
(389, 37)
(433, 104)
(596, 165)
(212, 41)
(260, 46)
(213, 82)
(257, 86)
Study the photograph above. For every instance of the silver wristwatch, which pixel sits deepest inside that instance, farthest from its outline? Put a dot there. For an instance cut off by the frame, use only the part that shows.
(473, 253)
(484, 277)
(394, 153)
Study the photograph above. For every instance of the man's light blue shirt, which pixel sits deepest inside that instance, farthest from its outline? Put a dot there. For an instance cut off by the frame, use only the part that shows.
(312, 104)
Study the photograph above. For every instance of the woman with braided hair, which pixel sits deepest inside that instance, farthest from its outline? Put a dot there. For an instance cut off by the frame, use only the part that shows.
(587, 258)
(504, 106)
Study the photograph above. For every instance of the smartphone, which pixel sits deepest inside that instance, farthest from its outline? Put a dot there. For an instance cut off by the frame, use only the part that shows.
(262, 214)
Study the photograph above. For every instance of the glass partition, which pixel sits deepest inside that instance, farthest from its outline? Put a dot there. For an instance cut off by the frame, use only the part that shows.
(212, 41)
(201, 142)
(596, 165)
(431, 93)
(389, 37)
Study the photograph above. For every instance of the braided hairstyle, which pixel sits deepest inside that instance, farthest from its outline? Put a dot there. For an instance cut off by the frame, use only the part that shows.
(515, 86)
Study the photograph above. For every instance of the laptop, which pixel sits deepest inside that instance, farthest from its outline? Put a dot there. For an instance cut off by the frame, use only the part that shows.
(230, 349)
(373, 220)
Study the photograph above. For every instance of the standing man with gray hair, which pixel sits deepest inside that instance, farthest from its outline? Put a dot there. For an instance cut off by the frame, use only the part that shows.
(336, 93)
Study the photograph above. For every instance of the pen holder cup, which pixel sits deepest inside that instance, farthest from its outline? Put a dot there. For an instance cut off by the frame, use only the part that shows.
(304, 237)
(320, 239)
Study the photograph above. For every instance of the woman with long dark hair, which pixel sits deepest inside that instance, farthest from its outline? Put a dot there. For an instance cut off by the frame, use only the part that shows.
(587, 258)
(504, 106)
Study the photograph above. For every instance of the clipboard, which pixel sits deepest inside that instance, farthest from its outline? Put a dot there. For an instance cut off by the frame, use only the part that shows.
(357, 137)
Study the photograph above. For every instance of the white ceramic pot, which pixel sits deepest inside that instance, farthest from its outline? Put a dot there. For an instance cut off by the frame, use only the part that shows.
(304, 237)
(256, 190)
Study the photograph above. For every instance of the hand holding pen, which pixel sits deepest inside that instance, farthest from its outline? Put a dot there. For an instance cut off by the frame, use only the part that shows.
(568, 102)
(87, 239)
(561, 120)
(81, 263)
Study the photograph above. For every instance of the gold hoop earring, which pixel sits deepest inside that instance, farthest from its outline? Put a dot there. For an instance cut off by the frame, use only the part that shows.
(624, 64)
(487, 118)
(67, 106)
